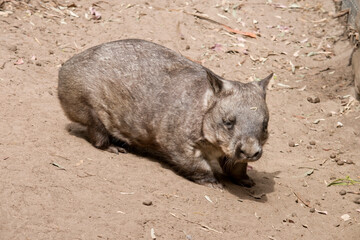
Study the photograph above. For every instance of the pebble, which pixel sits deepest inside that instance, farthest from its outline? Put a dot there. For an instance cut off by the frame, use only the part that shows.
(13, 48)
(51, 52)
(357, 200)
(316, 100)
(313, 100)
(336, 225)
(340, 162)
(333, 155)
(312, 210)
(349, 162)
(312, 142)
(342, 192)
(292, 144)
(339, 125)
(147, 203)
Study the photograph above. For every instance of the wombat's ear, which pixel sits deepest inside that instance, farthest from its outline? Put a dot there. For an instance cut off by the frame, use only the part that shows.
(263, 83)
(215, 83)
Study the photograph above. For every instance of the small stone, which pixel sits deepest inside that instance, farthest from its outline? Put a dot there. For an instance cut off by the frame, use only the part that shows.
(345, 217)
(337, 159)
(38, 64)
(340, 162)
(292, 144)
(312, 210)
(187, 47)
(313, 100)
(339, 125)
(13, 48)
(147, 203)
(333, 155)
(312, 142)
(337, 225)
(316, 100)
(342, 192)
(51, 52)
(357, 200)
(309, 147)
(349, 162)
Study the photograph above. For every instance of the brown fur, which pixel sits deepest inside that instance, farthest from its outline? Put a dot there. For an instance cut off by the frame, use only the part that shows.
(154, 99)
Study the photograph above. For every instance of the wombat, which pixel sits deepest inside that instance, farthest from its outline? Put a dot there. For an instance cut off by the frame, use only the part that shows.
(150, 97)
(355, 62)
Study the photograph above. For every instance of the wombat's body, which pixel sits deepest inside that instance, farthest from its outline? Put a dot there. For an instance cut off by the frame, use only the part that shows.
(156, 100)
(356, 70)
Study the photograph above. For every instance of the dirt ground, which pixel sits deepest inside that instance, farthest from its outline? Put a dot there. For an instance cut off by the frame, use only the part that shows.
(55, 185)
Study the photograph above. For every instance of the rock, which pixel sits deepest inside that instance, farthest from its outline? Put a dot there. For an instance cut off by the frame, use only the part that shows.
(349, 161)
(292, 144)
(339, 125)
(357, 200)
(312, 142)
(313, 99)
(316, 100)
(342, 192)
(13, 48)
(312, 210)
(147, 203)
(340, 162)
(333, 155)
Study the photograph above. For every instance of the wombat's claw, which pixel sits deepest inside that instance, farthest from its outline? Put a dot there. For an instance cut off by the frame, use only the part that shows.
(116, 149)
(213, 183)
(216, 185)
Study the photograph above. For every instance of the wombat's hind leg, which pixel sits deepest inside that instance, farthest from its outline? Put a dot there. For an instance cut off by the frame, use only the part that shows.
(201, 173)
(99, 136)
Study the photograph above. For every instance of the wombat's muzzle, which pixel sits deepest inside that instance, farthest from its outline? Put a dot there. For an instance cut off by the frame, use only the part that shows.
(248, 152)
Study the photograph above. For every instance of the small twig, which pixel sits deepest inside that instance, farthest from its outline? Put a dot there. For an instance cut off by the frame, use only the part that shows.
(56, 155)
(227, 28)
(323, 162)
(200, 224)
(342, 13)
(352, 192)
(298, 197)
(58, 166)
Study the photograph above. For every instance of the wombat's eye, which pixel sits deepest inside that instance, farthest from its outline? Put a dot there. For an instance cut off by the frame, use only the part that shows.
(229, 123)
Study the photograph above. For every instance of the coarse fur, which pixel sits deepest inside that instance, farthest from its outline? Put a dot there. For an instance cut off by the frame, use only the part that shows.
(156, 100)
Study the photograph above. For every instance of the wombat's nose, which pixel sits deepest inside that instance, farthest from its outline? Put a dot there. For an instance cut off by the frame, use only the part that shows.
(250, 151)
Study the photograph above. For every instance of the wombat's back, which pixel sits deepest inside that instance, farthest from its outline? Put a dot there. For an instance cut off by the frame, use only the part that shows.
(145, 79)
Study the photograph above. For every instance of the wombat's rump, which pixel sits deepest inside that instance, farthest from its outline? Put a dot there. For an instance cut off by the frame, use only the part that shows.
(156, 100)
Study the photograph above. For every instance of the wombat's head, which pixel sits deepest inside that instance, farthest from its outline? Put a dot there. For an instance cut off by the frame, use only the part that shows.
(237, 118)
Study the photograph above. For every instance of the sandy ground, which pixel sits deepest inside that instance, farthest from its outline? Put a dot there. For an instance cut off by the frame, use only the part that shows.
(55, 185)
